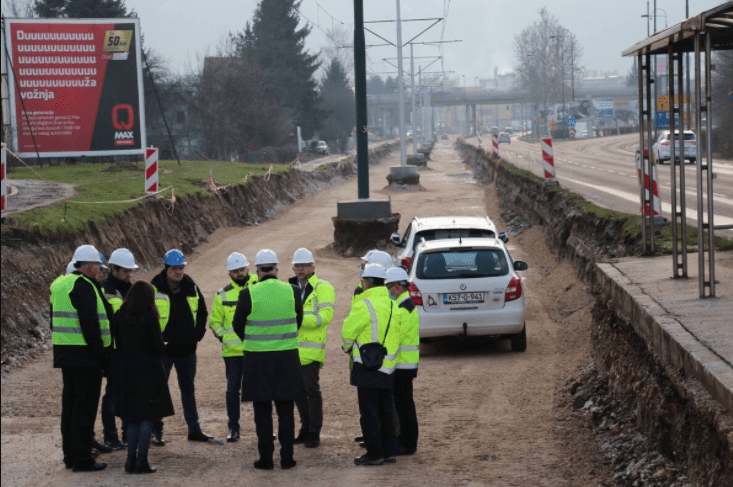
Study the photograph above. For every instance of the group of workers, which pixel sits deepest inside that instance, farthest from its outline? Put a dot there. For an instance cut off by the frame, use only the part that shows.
(273, 335)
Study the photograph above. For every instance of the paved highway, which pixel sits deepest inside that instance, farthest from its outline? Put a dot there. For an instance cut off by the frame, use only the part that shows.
(603, 170)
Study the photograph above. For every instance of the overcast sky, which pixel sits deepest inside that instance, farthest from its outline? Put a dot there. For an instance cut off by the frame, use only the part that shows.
(184, 31)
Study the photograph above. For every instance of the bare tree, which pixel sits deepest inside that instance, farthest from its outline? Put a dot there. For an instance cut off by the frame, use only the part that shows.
(549, 60)
(338, 38)
(18, 8)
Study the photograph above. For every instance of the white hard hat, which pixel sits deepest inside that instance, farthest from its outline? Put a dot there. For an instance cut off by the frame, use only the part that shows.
(396, 274)
(123, 258)
(70, 268)
(266, 257)
(379, 257)
(374, 270)
(303, 256)
(86, 253)
(236, 261)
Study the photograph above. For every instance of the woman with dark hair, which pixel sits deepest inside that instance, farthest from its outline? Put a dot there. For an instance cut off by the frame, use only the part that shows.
(142, 388)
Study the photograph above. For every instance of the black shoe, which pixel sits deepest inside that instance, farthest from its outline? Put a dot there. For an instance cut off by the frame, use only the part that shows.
(69, 463)
(313, 441)
(390, 459)
(130, 463)
(142, 465)
(101, 447)
(367, 460)
(158, 441)
(302, 437)
(359, 439)
(286, 464)
(406, 451)
(115, 444)
(362, 444)
(198, 436)
(264, 464)
(233, 436)
(89, 466)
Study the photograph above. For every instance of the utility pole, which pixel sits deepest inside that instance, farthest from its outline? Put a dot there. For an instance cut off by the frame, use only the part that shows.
(362, 141)
(412, 115)
(401, 89)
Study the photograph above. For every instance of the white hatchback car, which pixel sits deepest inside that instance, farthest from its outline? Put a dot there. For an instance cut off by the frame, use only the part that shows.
(468, 287)
(504, 138)
(440, 227)
(661, 148)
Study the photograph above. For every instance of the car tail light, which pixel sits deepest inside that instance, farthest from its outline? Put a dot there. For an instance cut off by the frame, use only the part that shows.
(665, 144)
(692, 142)
(415, 294)
(406, 261)
(513, 290)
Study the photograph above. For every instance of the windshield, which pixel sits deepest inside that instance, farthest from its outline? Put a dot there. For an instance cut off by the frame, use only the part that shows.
(441, 234)
(451, 264)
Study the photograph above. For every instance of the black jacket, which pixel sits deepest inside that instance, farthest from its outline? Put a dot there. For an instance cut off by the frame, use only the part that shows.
(142, 387)
(112, 285)
(84, 299)
(181, 333)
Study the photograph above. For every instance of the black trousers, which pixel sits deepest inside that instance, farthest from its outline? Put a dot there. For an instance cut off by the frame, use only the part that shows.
(79, 400)
(376, 410)
(405, 405)
(285, 428)
(310, 406)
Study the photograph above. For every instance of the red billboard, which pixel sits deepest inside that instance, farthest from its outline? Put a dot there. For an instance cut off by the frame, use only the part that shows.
(75, 87)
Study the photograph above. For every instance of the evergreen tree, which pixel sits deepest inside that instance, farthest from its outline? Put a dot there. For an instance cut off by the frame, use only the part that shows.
(277, 46)
(81, 9)
(338, 101)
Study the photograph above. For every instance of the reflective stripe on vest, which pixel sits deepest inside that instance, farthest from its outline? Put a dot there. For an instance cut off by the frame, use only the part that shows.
(388, 365)
(271, 325)
(223, 310)
(114, 300)
(163, 303)
(66, 327)
(319, 304)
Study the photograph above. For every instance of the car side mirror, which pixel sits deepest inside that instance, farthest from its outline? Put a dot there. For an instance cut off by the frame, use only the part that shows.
(504, 237)
(396, 239)
(520, 265)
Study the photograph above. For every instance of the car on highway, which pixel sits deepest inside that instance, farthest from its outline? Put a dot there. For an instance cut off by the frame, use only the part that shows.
(504, 138)
(441, 227)
(661, 148)
(468, 287)
(321, 148)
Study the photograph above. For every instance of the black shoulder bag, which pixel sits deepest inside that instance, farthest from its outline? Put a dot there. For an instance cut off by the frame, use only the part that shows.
(373, 353)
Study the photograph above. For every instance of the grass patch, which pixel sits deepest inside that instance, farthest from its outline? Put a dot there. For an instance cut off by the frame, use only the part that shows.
(107, 182)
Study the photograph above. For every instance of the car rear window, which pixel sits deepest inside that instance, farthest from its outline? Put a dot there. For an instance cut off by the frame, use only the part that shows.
(441, 234)
(452, 264)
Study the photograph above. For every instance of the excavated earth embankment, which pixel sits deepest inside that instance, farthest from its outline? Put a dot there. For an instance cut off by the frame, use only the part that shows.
(645, 414)
(31, 260)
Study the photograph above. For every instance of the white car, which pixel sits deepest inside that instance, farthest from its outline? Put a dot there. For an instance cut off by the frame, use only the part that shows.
(504, 138)
(468, 287)
(661, 147)
(441, 227)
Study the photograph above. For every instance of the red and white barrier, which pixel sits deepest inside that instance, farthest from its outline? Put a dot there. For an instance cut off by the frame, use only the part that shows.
(654, 187)
(548, 158)
(495, 141)
(151, 170)
(479, 141)
(2, 171)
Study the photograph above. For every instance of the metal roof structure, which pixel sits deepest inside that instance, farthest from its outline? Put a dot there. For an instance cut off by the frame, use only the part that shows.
(718, 22)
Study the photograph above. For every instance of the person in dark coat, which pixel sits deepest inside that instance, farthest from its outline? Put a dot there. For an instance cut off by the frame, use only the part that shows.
(142, 394)
(267, 319)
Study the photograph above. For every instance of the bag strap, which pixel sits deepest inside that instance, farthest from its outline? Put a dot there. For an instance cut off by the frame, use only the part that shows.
(391, 309)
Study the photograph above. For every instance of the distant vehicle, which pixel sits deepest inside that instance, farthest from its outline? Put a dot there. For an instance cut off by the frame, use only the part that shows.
(469, 287)
(504, 138)
(321, 148)
(508, 129)
(494, 130)
(661, 151)
(441, 227)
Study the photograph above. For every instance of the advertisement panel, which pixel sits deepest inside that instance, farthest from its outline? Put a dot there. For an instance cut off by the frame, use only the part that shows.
(75, 87)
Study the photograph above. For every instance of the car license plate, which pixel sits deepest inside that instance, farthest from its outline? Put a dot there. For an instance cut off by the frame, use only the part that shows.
(461, 298)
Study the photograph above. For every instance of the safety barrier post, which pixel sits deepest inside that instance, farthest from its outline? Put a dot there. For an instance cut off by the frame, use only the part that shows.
(151, 170)
(479, 141)
(548, 164)
(495, 140)
(2, 171)
(654, 197)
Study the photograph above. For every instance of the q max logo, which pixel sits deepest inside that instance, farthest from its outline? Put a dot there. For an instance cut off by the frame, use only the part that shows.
(123, 124)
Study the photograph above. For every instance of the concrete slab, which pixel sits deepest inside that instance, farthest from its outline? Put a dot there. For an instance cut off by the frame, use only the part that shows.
(691, 333)
(365, 209)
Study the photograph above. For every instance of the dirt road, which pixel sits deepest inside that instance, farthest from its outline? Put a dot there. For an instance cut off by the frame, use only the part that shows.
(487, 416)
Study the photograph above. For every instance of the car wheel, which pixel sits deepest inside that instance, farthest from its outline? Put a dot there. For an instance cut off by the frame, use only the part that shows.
(519, 340)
